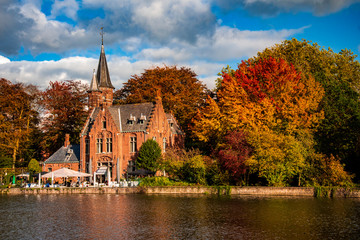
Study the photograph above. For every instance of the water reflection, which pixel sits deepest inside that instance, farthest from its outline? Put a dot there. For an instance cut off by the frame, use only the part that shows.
(176, 217)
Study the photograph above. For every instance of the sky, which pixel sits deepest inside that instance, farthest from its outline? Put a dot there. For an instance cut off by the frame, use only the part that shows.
(55, 40)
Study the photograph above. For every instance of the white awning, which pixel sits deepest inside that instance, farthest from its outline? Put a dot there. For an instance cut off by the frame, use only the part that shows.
(101, 170)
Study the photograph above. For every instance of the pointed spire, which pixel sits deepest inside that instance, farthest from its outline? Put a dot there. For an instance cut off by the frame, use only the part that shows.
(102, 75)
(94, 84)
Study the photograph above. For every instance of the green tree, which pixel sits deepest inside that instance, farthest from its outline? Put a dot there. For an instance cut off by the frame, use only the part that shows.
(194, 170)
(149, 156)
(33, 168)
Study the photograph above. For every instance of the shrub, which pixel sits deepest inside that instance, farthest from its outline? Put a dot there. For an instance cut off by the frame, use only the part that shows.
(159, 182)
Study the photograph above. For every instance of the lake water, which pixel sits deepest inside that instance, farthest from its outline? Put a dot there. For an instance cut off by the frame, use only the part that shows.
(136, 216)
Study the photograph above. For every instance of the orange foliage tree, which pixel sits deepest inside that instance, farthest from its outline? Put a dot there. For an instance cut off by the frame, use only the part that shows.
(17, 118)
(181, 92)
(275, 106)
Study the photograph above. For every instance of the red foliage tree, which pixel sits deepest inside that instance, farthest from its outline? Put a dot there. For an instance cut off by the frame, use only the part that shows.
(65, 112)
(234, 153)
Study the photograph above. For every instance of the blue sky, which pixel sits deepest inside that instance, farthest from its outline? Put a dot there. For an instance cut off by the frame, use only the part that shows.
(51, 40)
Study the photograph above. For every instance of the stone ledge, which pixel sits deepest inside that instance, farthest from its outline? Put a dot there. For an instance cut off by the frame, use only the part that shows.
(222, 190)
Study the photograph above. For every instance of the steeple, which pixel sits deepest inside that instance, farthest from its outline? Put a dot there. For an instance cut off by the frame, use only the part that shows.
(101, 93)
(94, 84)
(102, 75)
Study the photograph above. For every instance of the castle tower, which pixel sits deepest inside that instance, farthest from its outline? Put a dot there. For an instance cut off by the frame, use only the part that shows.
(101, 89)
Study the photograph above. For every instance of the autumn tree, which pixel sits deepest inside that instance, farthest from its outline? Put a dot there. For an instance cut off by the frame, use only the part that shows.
(17, 119)
(233, 155)
(339, 132)
(268, 100)
(181, 92)
(327, 171)
(65, 112)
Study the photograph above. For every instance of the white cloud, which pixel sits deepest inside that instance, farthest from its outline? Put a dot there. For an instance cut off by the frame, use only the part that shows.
(50, 35)
(159, 21)
(225, 45)
(273, 7)
(72, 68)
(164, 18)
(121, 69)
(68, 8)
(4, 60)
(42, 72)
(319, 7)
(25, 26)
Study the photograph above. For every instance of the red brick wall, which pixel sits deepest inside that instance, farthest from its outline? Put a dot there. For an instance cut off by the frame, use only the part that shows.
(158, 128)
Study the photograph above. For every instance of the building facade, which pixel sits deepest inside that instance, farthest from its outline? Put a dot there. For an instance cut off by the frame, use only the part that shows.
(113, 134)
(65, 157)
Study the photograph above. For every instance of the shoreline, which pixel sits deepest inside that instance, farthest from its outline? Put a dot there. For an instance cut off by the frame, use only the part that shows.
(206, 190)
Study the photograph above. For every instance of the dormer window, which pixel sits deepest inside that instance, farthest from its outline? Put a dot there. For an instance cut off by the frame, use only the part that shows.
(142, 119)
(68, 155)
(131, 120)
(171, 123)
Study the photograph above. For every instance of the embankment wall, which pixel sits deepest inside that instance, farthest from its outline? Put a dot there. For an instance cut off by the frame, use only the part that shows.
(235, 191)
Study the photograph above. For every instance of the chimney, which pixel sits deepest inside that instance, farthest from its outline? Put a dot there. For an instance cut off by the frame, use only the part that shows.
(67, 140)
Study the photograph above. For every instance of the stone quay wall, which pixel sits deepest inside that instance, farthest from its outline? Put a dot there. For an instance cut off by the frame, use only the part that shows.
(221, 190)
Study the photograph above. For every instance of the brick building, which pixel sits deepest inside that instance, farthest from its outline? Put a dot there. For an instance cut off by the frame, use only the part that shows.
(113, 134)
(67, 156)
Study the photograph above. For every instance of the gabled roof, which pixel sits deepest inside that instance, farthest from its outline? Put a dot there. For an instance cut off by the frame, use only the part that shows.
(132, 117)
(69, 154)
(102, 75)
(127, 118)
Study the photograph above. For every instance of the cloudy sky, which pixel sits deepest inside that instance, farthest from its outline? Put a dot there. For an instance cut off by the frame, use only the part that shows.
(49, 40)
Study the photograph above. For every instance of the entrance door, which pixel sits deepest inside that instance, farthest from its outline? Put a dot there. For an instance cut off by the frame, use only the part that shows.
(104, 172)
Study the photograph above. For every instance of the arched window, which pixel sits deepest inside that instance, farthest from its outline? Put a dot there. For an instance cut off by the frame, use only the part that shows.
(104, 123)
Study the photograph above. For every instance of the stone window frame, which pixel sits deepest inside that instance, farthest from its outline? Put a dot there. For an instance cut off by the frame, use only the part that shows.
(164, 144)
(109, 144)
(133, 144)
(99, 144)
(104, 124)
